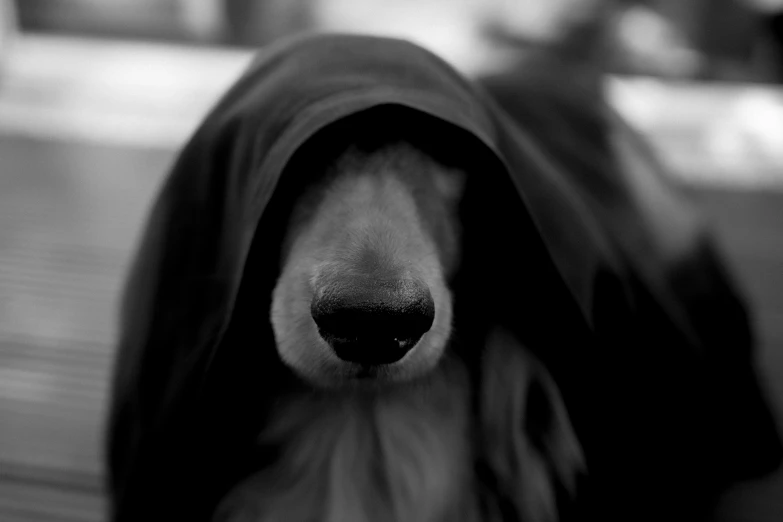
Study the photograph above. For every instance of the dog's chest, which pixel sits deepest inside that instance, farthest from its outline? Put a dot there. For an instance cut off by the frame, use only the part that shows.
(406, 464)
(397, 459)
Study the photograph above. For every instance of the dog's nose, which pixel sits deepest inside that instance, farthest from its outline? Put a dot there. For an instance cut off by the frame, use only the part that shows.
(370, 321)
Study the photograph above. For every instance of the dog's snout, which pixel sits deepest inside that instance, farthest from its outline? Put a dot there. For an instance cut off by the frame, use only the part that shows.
(370, 321)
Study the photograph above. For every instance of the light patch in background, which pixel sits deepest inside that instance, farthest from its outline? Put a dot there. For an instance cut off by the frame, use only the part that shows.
(708, 134)
(759, 115)
(450, 28)
(112, 92)
(653, 42)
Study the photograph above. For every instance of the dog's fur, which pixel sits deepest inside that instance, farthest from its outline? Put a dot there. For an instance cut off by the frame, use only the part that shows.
(437, 436)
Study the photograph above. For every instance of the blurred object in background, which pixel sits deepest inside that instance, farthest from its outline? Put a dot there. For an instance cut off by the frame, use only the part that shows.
(541, 20)
(204, 19)
(648, 43)
(8, 30)
(714, 40)
(738, 37)
(247, 23)
(253, 23)
(140, 19)
(772, 27)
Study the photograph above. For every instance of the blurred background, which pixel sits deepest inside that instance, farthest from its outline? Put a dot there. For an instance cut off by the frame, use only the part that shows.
(97, 95)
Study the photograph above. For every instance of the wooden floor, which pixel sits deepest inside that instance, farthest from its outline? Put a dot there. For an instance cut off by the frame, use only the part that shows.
(71, 205)
(70, 214)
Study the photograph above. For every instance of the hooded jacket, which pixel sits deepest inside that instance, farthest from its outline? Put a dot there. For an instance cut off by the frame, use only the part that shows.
(657, 403)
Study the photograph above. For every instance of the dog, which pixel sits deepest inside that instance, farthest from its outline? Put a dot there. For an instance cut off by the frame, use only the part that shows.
(397, 394)
(392, 421)
(367, 292)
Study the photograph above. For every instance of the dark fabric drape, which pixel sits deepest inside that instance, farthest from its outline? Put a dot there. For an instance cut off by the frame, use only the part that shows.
(564, 253)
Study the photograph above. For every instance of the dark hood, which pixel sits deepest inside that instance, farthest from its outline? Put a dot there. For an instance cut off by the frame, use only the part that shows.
(186, 381)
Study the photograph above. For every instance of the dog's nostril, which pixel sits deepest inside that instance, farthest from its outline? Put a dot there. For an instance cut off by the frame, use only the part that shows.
(373, 322)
